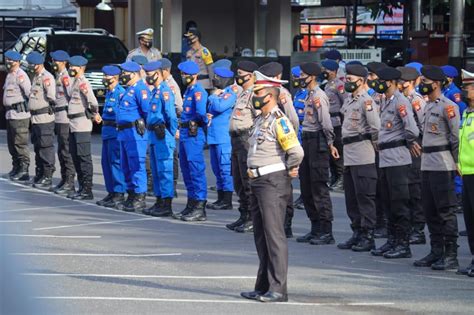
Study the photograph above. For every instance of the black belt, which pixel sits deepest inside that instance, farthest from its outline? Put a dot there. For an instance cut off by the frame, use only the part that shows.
(13, 106)
(239, 133)
(152, 127)
(186, 124)
(335, 114)
(110, 123)
(72, 116)
(358, 138)
(126, 126)
(41, 111)
(310, 134)
(392, 144)
(60, 109)
(203, 76)
(437, 148)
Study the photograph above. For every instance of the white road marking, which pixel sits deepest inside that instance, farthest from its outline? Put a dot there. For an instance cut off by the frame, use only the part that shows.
(94, 255)
(50, 236)
(92, 223)
(110, 298)
(15, 221)
(91, 275)
(38, 208)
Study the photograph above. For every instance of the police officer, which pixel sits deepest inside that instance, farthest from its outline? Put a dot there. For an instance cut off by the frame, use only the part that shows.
(453, 93)
(359, 131)
(202, 57)
(466, 165)
(318, 138)
(113, 175)
(397, 137)
(178, 102)
(336, 56)
(41, 105)
(132, 136)
(240, 124)
(273, 159)
(191, 143)
(406, 84)
(83, 107)
(61, 128)
(145, 39)
(334, 89)
(162, 124)
(15, 96)
(219, 111)
(438, 167)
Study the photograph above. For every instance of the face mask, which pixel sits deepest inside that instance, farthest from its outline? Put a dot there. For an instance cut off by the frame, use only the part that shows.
(257, 101)
(303, 83)
(9, 65)
(295, 83)
(187, 79)
(190, 42)
(107, 82)
(381, 87)
(324, 75)
(219, 83)
(350, 86)
(55, 67)
(240, 79)
(72, 73)
(426, 89)
(148, 44)
(151, 79)
(31, 68)
(372, 83)
(125, 78)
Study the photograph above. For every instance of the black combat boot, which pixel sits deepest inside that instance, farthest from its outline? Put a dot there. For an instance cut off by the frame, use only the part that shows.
(466, 271)
(198, 212)
(60, 184)
(38, 175)
(226, 202)
(15, 168)
(246, 227)
(389, 245)
(137, 204)
(115, 200)
(186, 210)
(353, 240)
(325, 237)
(157, 205)
(299, 204)
(85, 194)
(127, 202)
(288, 230)
(401, 249)
(338, 185)
(366, 241)
(244, 217)
(418, 235)
(106, 199)
(218, 202)
(22, 173)
(437, 251)
(381, 232)
(45, 182)
(449, 261)
(67, 188)
(165, 210)
(314, 233)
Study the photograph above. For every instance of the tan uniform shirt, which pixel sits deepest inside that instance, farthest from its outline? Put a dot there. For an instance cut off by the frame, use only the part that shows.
(153, 54)
(203, 57)
(336, 94)
(286, 103)
(16, 90)
(82, 98)
(42, 93)
(243, 114)
(316, 118)
(63, 94)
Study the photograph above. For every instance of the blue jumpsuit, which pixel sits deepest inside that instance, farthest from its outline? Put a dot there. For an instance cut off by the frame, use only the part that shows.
(218, 139)
(133, 147)
(298, 102)
(191, 148)
(113, 174)
(162, 111)
(454, 94)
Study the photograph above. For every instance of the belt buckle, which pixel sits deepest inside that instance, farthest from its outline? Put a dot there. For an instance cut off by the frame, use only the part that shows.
(252, 173)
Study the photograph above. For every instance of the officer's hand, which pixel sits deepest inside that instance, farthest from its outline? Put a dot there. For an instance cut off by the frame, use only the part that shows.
(218, 92)
(176, 136)
(97, 118)
(293, 172)
(375, 145)
(334, 152)
(415, 150)
(458, 171)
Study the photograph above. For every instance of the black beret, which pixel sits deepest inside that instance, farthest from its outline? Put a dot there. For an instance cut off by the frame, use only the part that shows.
(311, 68)
(271, 69)
(374, 66)
(247, 65)
(408, 73)
(388, 74)
(357, 70)
(434, 73)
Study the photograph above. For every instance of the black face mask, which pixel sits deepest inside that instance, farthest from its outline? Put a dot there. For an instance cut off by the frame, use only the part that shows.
(324, 75)
(241, 79)
(107, 82)
(31, 69)
(372, 83)
(351, 86)
(187, 79)
(125, 78)
(220, 83)
(303, 82)
(190, 42)
(72, 73)
(55, 67)
(425, 89)
(381, 87)
(151, 79)
(296, 83)
(9, 65)
(257, 101)
(148, 44)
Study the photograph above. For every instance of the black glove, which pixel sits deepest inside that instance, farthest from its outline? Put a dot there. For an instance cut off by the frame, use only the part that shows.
(160, 131)
(140, 126)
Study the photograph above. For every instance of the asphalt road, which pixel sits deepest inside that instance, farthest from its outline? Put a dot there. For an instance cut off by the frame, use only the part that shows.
(69, 257)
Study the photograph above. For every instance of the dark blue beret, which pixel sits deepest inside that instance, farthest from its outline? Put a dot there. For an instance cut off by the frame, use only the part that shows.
(311, 68)
(35, 58)
(247, 65)
(189, 67)
(111, 70)
(222, 63)
(13, 55)
(59, 55)
(333, 54)
(223, 72)
(357, 70)
(77, 61)
(434, 73)
(130, 66)
(271, 69)
(388, 74)
(330, 64)
(165, 63)
(354, 62)
(153, 66)
(140, 59)
(450, 71)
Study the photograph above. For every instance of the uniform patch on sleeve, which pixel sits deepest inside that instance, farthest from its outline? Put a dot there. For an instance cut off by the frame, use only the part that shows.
(417, 105)
(368, 106)
(21, 78)
(66, 81)
(144, 95)
(226, 95)
(457, 97)
(317, 102)
(283, 99)
(235, 89)
(402, 109)
(340, 88)
(197, 96)
(286, 136)
(83, 88)
(207, 56)
(166, 96)
(47, 82)
(450, 110)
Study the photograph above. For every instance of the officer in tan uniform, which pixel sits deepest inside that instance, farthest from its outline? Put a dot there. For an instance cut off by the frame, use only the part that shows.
(145, 38)
(15, 95)
(407, 84)
(359, 131)
(41, 105)
(63, 95)
(438, 169)
(273, 159)
(241, 122)
(202, 56)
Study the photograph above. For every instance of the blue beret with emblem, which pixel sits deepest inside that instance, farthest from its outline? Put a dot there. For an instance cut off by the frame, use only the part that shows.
(140, 59)
(330, 64)
(130, 66)
(450, 71)
(189, 67)
(13, 55)
(296, 71)
(35, 58)
(59, 55)
(223, 72)
(165, 63)
(77, 61)
(153, 66)
(111, 70)
(222, 63)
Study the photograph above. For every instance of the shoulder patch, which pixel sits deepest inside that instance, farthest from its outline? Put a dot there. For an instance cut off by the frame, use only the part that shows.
(450, 110)
(416, 106)
(226, 95)
(83, 87)
(368, 105)
(21, 78)
(457, 97)
(402, 109)
(317, 102)
(144, 95)
(166, 95)
(235, 89)
(206, 56)
(286, 136)
(283, 99)
(47, 82)
(198, 96)
(340, 88)
(65, 81)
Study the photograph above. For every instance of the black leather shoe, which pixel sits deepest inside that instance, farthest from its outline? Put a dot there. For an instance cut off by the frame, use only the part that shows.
(137, 204)
(429, 259)
(298, 204)
(399, 251)
(353, 240)
(252, 295)
(165, 210)
(103, 201)
(86, 194)
(323, 239)
(389, 245)
(366, 242)
(226, 202)
(417, 237)
(466, 270)
(156, 206)
(241, 220)
(246, 227)
(338, 186)
(66, 188)
(185, 211)
(306, 238)
(272, 297)
(116, 199)
(198, 212)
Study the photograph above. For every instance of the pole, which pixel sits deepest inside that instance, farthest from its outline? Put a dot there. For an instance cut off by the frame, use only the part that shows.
(416, 21)
(354, 25)
(456, 30)
(406, 43)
